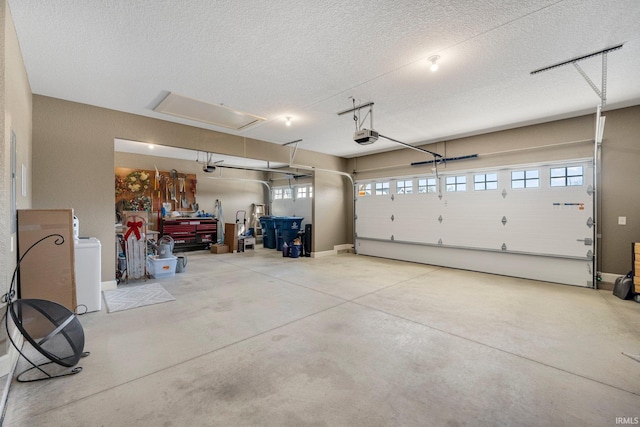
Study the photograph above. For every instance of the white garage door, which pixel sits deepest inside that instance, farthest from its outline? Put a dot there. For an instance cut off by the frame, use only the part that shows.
(530, 221)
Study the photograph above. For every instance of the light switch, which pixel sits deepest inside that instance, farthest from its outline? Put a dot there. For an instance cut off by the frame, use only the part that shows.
(622, 220)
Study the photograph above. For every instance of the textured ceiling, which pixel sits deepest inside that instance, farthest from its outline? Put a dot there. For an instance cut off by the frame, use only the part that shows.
(305, 59)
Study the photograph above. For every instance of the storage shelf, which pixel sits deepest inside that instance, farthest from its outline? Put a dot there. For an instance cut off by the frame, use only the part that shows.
(190, 234)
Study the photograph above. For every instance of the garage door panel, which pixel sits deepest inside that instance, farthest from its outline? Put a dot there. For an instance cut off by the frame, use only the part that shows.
(545, 221)
(573, 272)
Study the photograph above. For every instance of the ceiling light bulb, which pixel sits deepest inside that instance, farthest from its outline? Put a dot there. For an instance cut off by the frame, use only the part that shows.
(434, 64)
(288, 121)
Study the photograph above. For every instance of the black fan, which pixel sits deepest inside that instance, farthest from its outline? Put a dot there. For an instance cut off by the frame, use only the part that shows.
(52, 329)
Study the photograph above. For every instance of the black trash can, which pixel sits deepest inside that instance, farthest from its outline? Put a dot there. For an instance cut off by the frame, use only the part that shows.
(307, 239)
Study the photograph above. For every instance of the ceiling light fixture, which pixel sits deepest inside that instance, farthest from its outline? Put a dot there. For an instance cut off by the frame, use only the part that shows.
(434, 63)
(287, 121)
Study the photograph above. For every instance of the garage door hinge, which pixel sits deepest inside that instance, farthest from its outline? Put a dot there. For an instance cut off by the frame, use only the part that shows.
(392, 218)
(504, 220)
(392, 238)
(589, 253)
(440, 196)
(440, 219)
(440, 241)
(590, 190)
(590, 222)
(504, 247)
(504, 193)
(392, 198)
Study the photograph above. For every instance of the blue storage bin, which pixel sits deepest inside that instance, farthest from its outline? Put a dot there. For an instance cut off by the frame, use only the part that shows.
(287, 228)
(294, 251)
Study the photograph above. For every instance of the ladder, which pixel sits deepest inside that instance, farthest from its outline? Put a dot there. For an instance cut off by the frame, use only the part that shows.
(258, 211)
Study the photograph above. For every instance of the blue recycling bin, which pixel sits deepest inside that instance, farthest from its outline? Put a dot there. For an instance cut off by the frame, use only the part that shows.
(287, 228)
(268, 231)
(294, 251)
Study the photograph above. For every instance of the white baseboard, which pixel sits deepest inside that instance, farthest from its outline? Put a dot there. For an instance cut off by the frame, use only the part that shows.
(5, 361)
(108, 286)
(8, 361)
(336, 249)
(610, 277)
(8, 364)
(323, 254)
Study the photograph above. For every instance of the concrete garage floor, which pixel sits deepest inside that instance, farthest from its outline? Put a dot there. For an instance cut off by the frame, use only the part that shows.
(346, 340)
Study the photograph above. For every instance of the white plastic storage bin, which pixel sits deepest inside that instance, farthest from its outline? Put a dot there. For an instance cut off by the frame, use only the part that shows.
(161, 267)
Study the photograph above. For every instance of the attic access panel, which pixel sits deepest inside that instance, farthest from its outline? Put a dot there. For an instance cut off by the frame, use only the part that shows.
(200, 111)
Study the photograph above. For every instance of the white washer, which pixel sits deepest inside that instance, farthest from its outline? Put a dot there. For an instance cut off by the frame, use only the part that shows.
(88, 274)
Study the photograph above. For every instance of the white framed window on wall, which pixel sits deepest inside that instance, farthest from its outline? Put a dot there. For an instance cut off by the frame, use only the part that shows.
(485, 181)
(404, 186)
(277, 193)
(427, 185)
(456, 183)
(382, 188)
(525, 178)
(567, 176)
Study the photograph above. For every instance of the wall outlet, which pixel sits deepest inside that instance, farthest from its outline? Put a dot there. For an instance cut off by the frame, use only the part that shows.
(622, 220)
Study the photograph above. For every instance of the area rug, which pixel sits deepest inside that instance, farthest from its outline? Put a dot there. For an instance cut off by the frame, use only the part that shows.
(135, 296)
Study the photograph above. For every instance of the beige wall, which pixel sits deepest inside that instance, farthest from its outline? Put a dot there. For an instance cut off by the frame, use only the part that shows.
(563, 139)
(331, 213)
(73, 160)
(73, 167)
(544, 142)
(620, 188)
(15, 110)
(5, 233)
